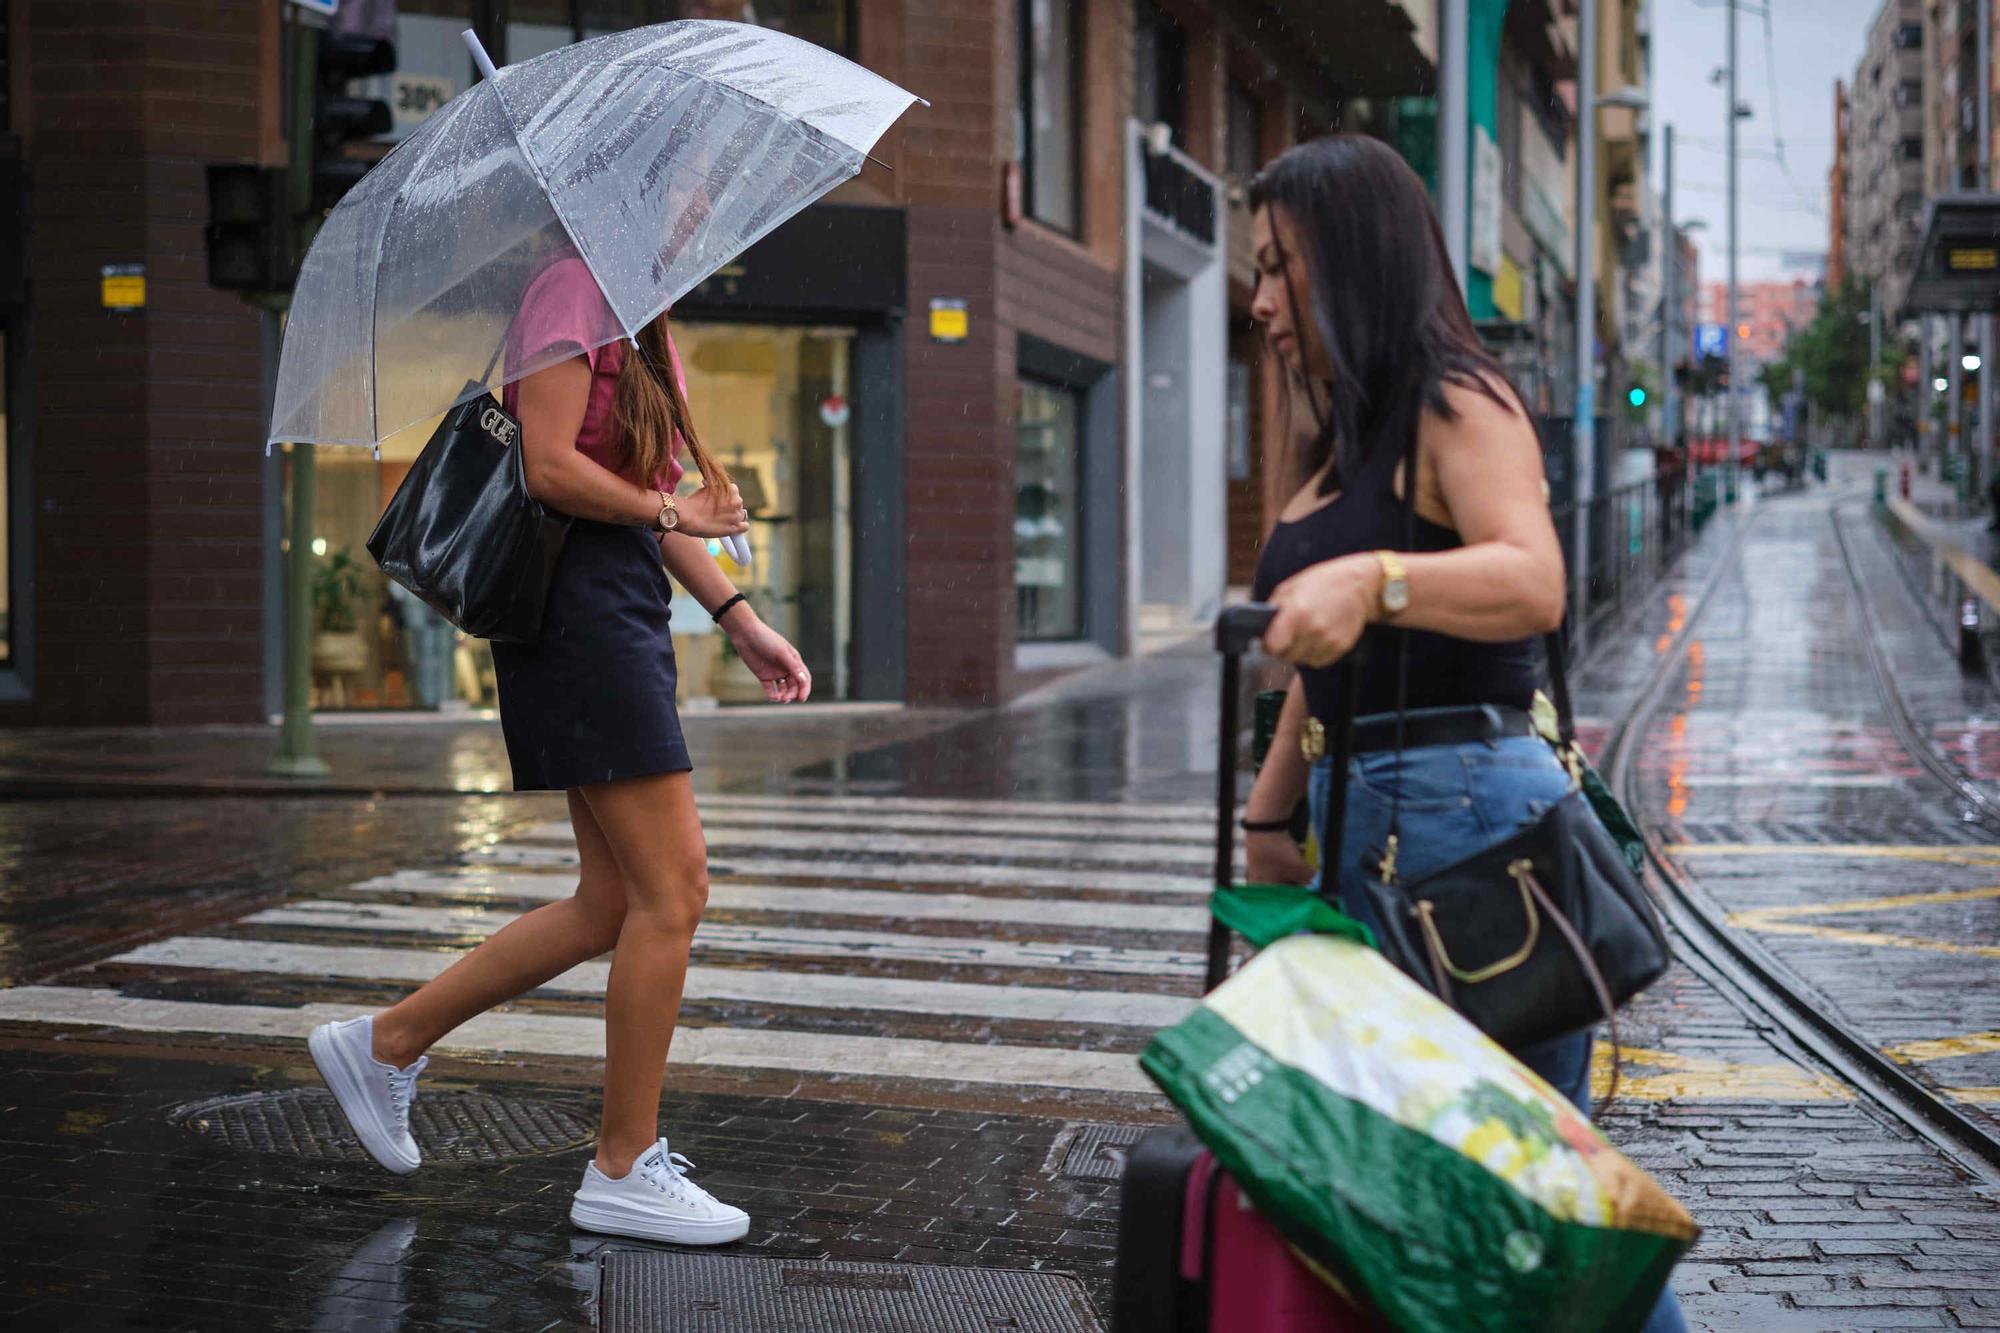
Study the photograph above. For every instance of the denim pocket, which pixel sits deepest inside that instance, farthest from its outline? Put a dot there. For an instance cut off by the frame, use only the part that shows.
(1432, 778)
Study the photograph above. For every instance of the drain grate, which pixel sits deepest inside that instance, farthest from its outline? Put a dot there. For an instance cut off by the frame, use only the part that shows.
(648, 1290)
(1098, 1151)
(448, 1126)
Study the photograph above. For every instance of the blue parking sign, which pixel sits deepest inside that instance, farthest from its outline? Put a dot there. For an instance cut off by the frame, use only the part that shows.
(1711, 340)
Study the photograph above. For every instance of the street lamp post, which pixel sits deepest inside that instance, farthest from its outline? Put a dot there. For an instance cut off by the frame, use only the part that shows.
(1583, 436)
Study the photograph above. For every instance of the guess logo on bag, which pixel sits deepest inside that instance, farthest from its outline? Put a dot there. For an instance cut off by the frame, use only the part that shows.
(499, 425)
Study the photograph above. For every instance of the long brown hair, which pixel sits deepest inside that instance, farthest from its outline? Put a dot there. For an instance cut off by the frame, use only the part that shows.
(1383, 299)
(649, 407)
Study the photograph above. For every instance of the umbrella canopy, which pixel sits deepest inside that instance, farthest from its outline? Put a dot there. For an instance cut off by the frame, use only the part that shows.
(655, 155)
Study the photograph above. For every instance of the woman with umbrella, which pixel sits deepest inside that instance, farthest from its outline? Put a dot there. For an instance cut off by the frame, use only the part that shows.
(550, 217)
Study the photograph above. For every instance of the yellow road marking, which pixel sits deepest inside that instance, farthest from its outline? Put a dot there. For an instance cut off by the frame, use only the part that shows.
(1669, 1077)
(1783, 921)
(1976, 1096)
(1944, 1048)
(1939, 855)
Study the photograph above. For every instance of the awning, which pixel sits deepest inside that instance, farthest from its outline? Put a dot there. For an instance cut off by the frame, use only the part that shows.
(1958, 264)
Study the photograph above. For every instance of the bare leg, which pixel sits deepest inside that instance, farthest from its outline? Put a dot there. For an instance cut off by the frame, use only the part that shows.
(521, 956)
(655, 835)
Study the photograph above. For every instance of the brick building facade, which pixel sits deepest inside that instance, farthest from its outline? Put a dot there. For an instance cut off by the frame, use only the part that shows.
(1106, 344)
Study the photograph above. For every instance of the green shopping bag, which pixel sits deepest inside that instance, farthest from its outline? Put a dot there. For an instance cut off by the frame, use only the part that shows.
(1609, 810)
(1400, 1149)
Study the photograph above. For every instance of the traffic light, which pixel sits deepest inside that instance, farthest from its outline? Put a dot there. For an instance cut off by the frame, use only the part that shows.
(1637, 396)
(249, 231)
(339, 119)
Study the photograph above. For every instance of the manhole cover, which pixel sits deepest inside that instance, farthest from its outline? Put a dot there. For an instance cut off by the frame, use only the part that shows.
(1098, 1151)
(645, 1290)
(448, 1126)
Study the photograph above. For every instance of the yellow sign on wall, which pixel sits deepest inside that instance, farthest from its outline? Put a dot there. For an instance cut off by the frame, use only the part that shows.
(1507, 289)
(124, 286)
(949, 321)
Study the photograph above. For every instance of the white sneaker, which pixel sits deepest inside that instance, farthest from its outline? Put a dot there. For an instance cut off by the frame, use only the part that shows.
(374, 1096)
(656, 1201)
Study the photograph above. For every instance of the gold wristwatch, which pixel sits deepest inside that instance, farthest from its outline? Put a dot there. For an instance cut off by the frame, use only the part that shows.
(670, 517)
(1395, 596)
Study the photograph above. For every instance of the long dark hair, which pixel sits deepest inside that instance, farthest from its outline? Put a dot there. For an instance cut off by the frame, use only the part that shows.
(1383, 300)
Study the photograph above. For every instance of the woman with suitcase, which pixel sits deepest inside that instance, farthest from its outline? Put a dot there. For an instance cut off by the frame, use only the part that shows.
(1357, 298)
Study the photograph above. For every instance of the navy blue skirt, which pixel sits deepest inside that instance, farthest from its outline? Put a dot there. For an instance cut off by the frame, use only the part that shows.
(593, 699)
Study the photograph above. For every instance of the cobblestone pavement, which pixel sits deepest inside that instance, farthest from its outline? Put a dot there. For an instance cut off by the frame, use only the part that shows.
(927, 966)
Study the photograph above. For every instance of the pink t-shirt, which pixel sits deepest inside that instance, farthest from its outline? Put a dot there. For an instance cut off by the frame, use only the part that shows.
(563, 309)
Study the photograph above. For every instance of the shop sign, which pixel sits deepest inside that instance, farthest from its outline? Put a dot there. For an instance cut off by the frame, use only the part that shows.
(324, 8)
(414, 97)
(1509, 293)
(834, 410)
(124, 286)
(1483, 248)
(949, 321)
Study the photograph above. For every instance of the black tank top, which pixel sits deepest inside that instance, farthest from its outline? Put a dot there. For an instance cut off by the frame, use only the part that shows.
(1444, 671)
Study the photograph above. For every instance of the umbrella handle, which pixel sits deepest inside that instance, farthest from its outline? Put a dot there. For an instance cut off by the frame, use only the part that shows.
(738, 546)
(479, 56)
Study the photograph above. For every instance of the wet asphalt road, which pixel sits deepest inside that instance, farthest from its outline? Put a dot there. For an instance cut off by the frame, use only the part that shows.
(935, 943)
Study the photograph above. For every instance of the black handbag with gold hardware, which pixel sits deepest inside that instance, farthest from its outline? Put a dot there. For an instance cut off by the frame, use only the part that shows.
(1537, 937)
(463, 532)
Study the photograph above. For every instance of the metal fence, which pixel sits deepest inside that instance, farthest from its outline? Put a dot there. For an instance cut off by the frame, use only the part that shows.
(1634, 533)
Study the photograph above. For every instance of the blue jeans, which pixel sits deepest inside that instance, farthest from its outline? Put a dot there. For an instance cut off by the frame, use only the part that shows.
(1455, 800)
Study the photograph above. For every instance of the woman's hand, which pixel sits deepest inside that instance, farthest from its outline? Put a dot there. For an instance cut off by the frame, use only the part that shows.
(1273, 858)
(1323, 609)
(713, 511)
(770, 658)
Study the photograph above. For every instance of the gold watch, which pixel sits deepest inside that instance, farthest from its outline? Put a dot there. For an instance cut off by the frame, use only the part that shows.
(1395, 595)
(670, 517)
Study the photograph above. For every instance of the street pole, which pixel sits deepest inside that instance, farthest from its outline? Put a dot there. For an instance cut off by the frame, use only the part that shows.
(1875, 390)
(1583, 437)
(296, 757)
(1670, 255)
(1735, 389)
(1979, 450)
(1954, 374)
(1455, 132)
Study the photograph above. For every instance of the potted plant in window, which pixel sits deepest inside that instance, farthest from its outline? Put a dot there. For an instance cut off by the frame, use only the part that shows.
(338, 647)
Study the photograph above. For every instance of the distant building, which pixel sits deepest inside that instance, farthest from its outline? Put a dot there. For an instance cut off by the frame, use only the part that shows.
(1767, 313)
(1881, 208)
(1836, 191)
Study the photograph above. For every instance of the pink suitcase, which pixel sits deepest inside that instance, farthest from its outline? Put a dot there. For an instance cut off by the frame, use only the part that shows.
(1253, 1279)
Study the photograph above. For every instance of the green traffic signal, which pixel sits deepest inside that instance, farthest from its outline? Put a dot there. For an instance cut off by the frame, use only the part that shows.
(1637, 397)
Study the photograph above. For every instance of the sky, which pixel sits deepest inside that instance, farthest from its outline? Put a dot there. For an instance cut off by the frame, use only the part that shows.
(1779, 207)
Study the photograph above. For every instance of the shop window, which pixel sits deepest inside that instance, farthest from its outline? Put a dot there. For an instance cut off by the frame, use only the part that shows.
(1048, 537)
(1046, 111)
(7, 599)
(1161, 57)
(774, 404)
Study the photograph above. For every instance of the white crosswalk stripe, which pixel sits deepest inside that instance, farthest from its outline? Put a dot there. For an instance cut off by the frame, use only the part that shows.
(891, 904)
(727, 841)
(715, 937)
(809, 990)
(892, 872)
(927, 884)
(563, 1035)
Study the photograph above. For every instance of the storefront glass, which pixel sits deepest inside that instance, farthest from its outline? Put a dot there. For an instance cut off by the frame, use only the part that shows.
(1047, 516)
(6, 530)
(773, 404)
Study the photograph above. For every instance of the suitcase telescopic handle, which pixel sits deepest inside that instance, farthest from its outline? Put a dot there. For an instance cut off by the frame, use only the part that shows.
(1240, 626)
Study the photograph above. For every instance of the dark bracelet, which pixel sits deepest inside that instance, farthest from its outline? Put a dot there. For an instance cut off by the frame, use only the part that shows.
(717, 614)
(1265, 825)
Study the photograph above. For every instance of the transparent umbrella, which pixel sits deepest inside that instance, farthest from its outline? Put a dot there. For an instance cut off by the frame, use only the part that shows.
(655, 155)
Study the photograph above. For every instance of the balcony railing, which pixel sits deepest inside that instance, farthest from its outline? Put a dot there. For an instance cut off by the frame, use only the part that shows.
(1178, 196)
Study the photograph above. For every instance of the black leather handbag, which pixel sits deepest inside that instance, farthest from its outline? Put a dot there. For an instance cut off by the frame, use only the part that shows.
(1540, 936)
(464, 534)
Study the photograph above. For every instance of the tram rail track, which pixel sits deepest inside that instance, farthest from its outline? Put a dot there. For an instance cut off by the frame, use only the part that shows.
(1723, 953)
